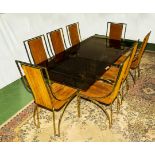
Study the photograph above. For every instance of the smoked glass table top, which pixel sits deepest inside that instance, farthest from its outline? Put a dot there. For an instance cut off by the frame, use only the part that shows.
(81, 65)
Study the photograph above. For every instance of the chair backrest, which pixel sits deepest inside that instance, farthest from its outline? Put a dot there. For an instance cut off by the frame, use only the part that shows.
(73, 33)
(115, 30)
(57, 40)
(37, 49)
(120, 76)
(133, 52)
(37, 84)
(142, 48)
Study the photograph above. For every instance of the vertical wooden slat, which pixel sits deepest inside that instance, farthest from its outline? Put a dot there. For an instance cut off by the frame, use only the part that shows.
(57, 41)
(74, 35)
(38, 86)
(37, 50)
(115, 31)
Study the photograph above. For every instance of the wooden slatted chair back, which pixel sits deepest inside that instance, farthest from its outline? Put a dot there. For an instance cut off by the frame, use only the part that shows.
(120, 76)
(34, 76)
(133, 52)
(57, 40)
(73, 32)
(37, 50)
(116, 30)
(142, 48)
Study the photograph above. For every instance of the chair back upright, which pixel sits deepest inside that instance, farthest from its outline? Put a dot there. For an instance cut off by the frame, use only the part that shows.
(133, 52)
(37, 49)
(142, 49)
(122, 70)
(115, 30)
(57, 40)
(73, 32)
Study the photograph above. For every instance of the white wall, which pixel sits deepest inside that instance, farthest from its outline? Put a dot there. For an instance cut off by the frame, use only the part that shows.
(15, 28)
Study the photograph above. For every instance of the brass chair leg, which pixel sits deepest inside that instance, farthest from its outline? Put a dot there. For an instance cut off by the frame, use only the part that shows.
(138, 71)
(104, 110)
(122, 94)
(135, 75)
(78, 105)
(111, 115)
(38, 117)
(118, 104)
(119, 94)
(34, 116)
(54, 128)
(132, 77)
(127, 84)
(59, 123)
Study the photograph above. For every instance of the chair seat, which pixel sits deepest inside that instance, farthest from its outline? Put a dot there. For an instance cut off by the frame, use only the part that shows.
(100, 91)
(111, 74)
(62, 93)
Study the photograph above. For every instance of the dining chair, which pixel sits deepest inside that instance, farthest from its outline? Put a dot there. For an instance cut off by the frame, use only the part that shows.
(104, 94)
(73, 32)
(111, 74)
(115, 31)
(137, 60)
(135, 65)
(56, 38)
(47, 94)
(37, 49)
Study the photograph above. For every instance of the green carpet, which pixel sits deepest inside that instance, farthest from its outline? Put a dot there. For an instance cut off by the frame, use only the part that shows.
(12, 98)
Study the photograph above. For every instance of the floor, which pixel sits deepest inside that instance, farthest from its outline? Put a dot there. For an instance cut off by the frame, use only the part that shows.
(12, 98)
(12, 101)
(134, 122)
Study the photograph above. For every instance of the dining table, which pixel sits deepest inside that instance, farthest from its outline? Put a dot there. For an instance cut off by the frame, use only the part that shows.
(81, 65)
